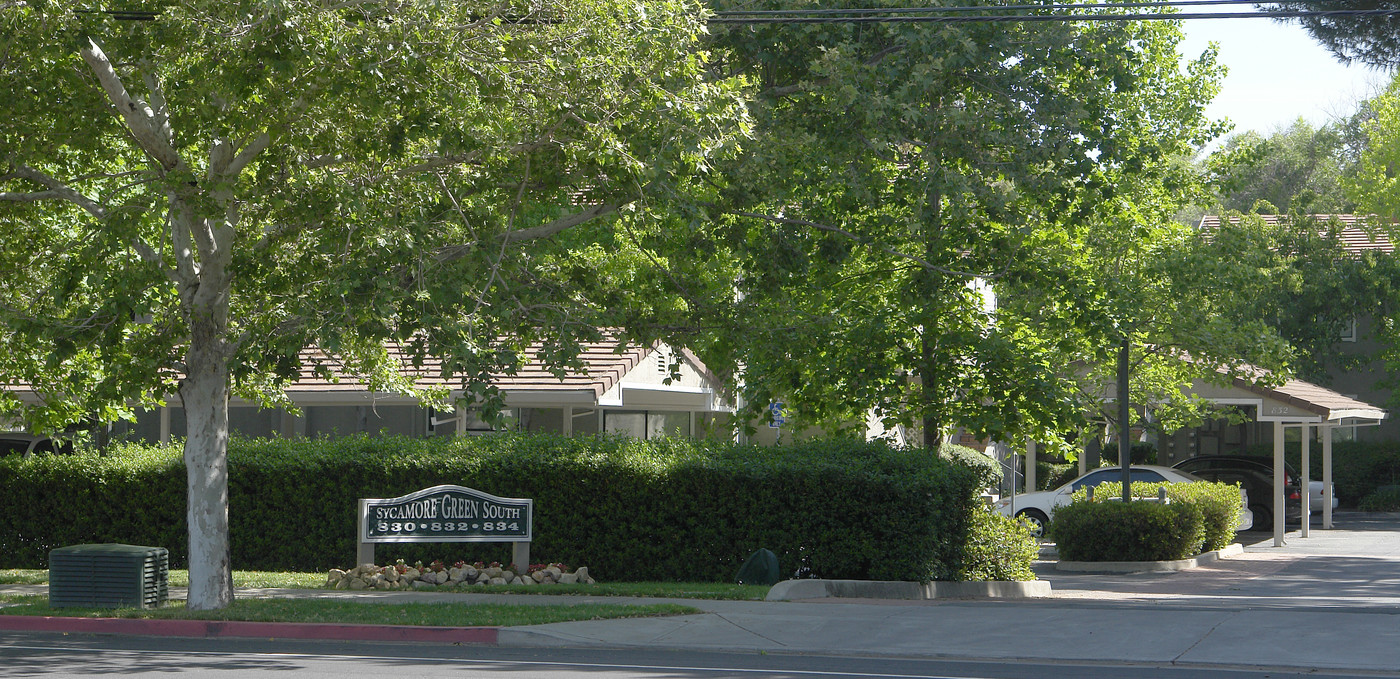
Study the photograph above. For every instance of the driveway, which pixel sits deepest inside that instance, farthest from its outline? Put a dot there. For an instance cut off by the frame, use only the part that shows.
(1354, 565)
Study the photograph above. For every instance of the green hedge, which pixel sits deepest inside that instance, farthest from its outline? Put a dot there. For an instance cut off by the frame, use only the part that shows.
(1386, 499)
(1001, 548)
(671, 509)
(1052, 475)
(1128, 531)
(1220, 504)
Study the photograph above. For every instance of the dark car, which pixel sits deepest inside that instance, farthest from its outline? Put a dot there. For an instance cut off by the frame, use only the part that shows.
(1256, 476)
(20, 443)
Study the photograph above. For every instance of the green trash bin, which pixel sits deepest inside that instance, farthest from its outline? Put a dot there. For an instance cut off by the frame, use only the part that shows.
(761, 568)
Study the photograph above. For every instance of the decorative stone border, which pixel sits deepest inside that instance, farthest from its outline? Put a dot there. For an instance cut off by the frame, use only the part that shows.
(399, 576)
(790, 590)
(1149, 566)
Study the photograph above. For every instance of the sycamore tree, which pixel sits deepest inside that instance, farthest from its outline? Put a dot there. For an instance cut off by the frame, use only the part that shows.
(898, 172)
(192, 191)
(1295, 169)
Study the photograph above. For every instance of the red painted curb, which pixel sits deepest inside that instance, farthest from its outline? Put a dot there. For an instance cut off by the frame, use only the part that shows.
(269, 630)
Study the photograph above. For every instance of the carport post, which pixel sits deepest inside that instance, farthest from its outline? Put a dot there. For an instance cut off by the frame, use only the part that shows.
(1030, 470)
(1327, 475)
(1278, 483)
(1303, 490)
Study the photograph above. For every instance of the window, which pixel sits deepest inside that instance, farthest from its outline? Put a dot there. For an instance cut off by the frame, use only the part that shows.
(1349, 330)
(645, 424)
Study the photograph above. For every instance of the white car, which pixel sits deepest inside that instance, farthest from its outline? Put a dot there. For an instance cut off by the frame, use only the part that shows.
(1038, 508)
(1316, 497)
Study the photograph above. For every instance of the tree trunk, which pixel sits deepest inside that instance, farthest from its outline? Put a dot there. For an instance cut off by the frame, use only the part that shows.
(205, 391)
(205, 298)
(933, 427)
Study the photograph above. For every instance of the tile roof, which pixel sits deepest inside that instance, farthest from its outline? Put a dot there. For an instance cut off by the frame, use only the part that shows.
(1355, 238)
(605, 363)
(1328, 404)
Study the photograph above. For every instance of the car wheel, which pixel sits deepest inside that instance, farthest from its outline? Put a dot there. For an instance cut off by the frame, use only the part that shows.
(1263, 518)
(1036, 519)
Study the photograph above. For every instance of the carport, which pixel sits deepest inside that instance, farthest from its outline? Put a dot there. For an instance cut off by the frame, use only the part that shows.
(1306, 406)
(1295, 403)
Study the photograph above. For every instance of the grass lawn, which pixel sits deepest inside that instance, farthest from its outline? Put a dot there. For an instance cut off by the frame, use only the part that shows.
(349, 612)
(672, 590)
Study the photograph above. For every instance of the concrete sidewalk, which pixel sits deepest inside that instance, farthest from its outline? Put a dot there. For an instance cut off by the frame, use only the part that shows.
(1331, 601)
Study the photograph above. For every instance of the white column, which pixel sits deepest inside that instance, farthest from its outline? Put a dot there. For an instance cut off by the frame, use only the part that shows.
(1030, 470)
(1303, 483)
(1278, 484)
(164, 424)
(568, 427)
(1327, 475)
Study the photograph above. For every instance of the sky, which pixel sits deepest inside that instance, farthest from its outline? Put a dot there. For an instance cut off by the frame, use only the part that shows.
(1277, 73)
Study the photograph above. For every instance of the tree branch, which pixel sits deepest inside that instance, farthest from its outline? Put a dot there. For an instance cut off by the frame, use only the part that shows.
(140, 119)
(160, 118)
(565, 223)
(794, 89)
(865, 241)
(57, 190)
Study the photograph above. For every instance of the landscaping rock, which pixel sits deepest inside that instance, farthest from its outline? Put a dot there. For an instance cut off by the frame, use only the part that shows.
(568, 578)
(419, 584)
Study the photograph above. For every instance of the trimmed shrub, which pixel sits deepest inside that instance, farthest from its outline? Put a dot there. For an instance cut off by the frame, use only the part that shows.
(1384, 500)
(1220, 504)
(1000, 548)
(1140, 452)
(988, 470)
(668, 509)
(1127, 531)
(1049, 475)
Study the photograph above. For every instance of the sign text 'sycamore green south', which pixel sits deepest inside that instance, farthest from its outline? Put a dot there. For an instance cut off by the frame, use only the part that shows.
(446, 514)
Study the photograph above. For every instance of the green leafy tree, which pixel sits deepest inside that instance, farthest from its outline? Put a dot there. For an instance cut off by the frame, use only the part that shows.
(1296, 169)
(899, 170)
(191, 196)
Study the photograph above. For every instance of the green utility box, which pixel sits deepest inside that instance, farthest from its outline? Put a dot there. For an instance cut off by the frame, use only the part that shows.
(108, 576)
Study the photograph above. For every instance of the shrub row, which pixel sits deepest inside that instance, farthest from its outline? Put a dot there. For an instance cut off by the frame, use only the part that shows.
(671, 509)
(1128, 531)
(1092, 534)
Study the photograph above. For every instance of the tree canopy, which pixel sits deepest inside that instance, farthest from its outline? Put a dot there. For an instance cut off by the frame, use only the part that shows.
(899, 171)
(192, 195)
(1295, 169)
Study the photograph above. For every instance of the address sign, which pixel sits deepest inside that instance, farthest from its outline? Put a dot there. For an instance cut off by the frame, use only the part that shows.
(446, 514)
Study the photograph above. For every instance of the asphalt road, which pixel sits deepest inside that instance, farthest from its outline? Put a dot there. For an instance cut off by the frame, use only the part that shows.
(55, 655)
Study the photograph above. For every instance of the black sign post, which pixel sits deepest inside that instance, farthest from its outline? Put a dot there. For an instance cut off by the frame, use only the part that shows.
(447, 514)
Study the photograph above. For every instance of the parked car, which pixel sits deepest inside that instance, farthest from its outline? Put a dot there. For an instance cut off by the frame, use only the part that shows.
(1255, 475)
(21, 443)
(1039, 508)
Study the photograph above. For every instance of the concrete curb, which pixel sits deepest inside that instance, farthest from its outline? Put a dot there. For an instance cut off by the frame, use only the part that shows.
(791, 590)
(264, 630)
(1149, 566)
